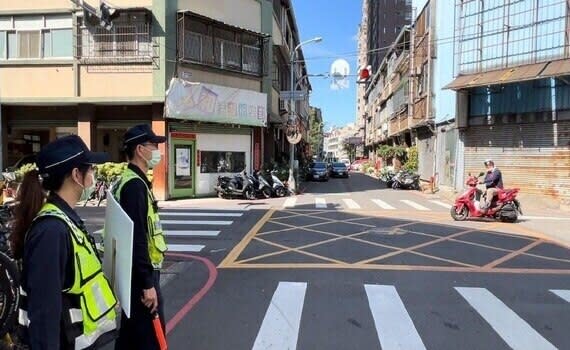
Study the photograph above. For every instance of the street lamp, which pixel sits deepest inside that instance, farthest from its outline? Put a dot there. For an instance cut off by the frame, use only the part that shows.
(292, 61)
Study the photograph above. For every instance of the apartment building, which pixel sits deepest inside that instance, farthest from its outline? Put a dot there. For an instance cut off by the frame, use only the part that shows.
(62, 73)
(336, 139)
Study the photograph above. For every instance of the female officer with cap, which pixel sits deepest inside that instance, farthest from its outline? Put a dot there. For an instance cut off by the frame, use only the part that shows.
(67, 303)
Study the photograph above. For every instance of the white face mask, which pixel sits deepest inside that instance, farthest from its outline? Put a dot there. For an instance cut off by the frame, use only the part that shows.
(154, 159)
(87, 191)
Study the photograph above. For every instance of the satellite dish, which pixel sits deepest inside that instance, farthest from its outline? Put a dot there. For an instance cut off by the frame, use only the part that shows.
(340, 69)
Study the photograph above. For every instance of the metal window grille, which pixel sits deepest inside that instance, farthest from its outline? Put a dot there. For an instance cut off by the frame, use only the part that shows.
(124, 43)
(245, 53)
(495, 34)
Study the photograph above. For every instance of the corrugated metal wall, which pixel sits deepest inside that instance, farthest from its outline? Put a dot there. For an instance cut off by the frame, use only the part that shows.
(534, 157)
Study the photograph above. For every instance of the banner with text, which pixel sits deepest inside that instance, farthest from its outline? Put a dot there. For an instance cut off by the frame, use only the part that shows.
(214, 103)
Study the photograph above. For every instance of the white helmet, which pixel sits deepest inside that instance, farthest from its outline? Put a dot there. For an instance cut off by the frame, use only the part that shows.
(487, 161)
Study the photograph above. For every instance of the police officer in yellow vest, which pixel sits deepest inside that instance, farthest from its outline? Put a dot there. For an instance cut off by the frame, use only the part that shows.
(134, 193)
(67, 303)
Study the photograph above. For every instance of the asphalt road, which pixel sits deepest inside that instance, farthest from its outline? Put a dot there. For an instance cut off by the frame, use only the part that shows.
(350, 265)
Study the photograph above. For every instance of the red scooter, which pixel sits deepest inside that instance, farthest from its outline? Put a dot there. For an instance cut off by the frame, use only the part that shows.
(505, 206)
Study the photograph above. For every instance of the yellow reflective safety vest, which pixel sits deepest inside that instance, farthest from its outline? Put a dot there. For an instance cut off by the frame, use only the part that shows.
(93, 311)
(156, 242)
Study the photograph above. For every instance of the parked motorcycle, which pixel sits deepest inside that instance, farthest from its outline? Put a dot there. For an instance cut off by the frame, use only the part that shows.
(279, 189)
(237, 186)
(405, 180)
(261, 186)
(386, 175)
(504, 207)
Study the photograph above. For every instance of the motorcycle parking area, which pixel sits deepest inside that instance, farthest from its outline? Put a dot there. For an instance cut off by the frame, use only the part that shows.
(328, 239)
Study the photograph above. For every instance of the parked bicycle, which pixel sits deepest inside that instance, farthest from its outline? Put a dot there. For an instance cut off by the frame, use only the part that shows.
(9, 284)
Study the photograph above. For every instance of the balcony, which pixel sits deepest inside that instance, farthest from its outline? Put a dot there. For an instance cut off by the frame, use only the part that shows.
(204, 41)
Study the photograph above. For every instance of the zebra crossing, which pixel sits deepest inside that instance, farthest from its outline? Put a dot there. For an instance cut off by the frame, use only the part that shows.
(394, 325)
(191, 229)
(317, 202)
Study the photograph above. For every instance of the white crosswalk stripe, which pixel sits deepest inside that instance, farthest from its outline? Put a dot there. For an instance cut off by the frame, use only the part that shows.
(280, 326)
(564, 294)
(320, 203)
(395, 328)
(185, 247)
(414, 205)
(290, 202)
(351, 204)
(203, 214)
(383, 204)
(196, 222)
(514, 330)
(189, 229)
(191, 233)
(441, 204)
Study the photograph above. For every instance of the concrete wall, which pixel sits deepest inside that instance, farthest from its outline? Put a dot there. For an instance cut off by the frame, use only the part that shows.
(34, 5)
(223, 79)
(241, 13)
(115, 84)
(36, 81)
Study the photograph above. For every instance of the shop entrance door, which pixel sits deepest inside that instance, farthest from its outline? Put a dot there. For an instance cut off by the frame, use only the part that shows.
(182, 168)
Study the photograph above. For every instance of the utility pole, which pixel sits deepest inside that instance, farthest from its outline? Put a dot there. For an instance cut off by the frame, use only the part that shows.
(292, 116)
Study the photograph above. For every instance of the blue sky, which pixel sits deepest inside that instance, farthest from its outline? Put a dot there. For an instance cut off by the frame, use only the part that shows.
(337, 22)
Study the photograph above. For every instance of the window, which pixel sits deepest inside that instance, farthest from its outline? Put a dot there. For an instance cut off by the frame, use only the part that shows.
(36, 37)
(222, 162)
(129, 40)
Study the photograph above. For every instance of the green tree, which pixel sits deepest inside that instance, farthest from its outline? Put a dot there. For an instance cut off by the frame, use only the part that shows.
(350, 150)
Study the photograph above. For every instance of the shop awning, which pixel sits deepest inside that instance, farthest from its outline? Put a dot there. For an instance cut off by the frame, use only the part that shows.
(502, 76)
(511, 75)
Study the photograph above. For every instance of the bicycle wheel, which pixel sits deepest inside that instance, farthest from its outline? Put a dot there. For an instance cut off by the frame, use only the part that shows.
(9, 293)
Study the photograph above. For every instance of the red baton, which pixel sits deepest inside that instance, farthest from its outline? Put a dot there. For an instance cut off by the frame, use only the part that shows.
(159, 332)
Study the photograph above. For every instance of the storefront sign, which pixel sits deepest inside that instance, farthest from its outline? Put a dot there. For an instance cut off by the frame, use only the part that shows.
(183, 136)
(214, 103)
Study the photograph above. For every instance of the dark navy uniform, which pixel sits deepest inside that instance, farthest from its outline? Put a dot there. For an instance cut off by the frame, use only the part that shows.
(134, 193)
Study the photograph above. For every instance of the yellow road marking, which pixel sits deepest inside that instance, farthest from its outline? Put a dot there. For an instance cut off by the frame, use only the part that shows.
(399, 268)
(231, 260)
(422, 245)
(513, 254)
(232, 256)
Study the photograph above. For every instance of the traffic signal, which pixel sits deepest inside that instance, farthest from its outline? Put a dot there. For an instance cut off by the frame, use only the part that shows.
(108, 14)
(364, 74)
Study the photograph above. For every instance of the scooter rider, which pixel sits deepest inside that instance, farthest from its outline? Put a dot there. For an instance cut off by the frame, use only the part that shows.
(493, 181)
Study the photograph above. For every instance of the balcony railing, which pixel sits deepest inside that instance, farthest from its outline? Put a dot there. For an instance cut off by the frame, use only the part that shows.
(208, 49)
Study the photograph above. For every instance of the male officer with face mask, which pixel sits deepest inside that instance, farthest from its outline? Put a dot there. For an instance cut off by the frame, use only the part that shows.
(134, 193)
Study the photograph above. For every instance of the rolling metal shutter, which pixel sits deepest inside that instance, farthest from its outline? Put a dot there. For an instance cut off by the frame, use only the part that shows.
(533, 157)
